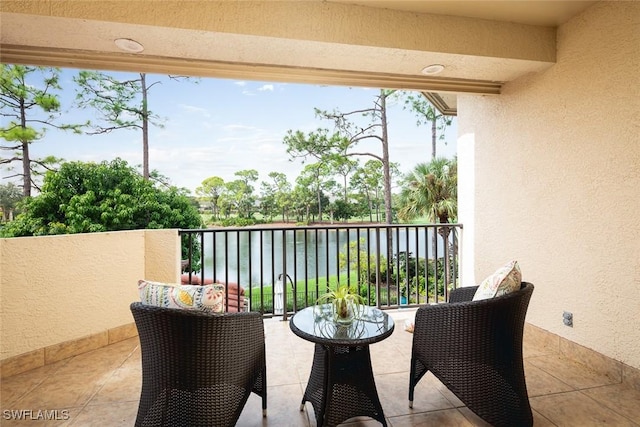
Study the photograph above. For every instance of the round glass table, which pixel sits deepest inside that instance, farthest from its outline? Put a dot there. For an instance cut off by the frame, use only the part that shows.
(341, 383)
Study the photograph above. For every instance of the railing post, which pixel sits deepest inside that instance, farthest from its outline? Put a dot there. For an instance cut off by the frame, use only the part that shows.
(284, 275)
(378, 304)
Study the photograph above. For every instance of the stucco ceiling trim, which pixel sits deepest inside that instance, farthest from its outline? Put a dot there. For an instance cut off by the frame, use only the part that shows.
(447, 105)
(232, 70)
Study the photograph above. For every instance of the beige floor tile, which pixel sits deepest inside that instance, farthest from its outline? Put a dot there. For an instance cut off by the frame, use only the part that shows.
(134, 361)
(99, 361)
(541, 421)
(102, 387)
(538, 420)
(428, 392)
(112, 415)
(540, 382)
(434, 382)
(620, 398)
(17, 386)
(393, 391)
(123, 386)
(444, 418)
(304, 371)
(572, 373)
(575, 409)
(387, 360)
(64, 391)
(473, 418)
(283, 409)
(282, 372)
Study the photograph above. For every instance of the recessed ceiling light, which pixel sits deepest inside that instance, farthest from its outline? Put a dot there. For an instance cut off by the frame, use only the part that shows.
(432, 69)
(129, 45)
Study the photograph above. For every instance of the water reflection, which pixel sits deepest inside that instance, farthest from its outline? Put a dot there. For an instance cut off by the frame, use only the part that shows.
(256, 256)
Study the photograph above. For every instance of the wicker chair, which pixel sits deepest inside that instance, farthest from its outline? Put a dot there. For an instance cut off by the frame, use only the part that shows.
(198, 369)
(475, 349)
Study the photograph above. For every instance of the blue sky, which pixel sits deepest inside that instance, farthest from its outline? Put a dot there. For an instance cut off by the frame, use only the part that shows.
(216, 127)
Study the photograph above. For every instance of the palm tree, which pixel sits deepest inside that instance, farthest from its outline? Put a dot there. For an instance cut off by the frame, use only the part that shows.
(431, 190)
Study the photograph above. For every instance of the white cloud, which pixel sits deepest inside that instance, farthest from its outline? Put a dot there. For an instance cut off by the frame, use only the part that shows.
(240, 83)
(264, 88)
(194, 109)
(238, 127)
(267, 148)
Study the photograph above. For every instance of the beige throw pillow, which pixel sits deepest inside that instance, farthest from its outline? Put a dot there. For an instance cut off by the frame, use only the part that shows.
(505, 280)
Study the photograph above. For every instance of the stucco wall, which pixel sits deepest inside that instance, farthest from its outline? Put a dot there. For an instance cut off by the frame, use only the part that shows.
(59, 288)
(556, 164)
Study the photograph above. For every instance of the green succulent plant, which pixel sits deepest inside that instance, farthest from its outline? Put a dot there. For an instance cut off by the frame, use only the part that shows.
(341, 298)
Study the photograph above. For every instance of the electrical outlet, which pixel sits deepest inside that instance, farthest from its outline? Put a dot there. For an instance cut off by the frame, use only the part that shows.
(567, 318)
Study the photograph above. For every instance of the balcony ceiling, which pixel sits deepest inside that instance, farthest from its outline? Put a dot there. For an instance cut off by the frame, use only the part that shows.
(542, 13)
(482, 44)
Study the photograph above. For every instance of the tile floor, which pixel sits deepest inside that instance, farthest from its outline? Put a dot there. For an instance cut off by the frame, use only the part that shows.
(101, 388)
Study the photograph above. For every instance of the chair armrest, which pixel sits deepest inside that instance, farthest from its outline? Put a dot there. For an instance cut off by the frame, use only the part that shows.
(465, 293)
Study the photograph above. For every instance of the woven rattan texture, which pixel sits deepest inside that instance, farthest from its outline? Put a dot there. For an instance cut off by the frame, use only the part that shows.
(198, 369)
(475, 349)
(351, 389)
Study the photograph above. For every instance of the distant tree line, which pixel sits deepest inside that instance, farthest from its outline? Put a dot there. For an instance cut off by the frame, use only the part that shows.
(315, 195)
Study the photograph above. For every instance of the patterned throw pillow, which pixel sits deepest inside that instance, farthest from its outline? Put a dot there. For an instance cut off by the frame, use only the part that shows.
(505, 280)
(208, 298)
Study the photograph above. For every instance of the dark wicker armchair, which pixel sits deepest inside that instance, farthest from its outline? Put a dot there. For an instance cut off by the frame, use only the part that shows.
(475, 349)
(198, 369)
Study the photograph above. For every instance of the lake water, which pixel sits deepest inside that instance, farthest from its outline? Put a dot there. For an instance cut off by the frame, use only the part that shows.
(256, 256)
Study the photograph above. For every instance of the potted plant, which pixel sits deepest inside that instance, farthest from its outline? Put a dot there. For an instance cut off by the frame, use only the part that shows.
(403, 294)
(345, 303)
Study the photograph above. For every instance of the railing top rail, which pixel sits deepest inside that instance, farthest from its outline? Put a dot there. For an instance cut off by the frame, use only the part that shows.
(316, 227)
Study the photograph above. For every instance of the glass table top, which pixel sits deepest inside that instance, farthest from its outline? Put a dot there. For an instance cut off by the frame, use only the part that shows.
(317, 324)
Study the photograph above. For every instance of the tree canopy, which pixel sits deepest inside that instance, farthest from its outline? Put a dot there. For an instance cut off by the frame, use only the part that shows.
(10, 195)
(93, 197)
(332, 148)
(431, 190)
(31, 106)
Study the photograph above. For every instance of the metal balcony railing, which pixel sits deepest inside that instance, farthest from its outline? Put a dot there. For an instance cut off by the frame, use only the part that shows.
(284, 269)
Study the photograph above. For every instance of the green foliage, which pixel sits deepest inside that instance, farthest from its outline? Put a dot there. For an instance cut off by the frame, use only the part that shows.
(239, 222)
(427, 114)
(341, 293)
(431, 190)
(210, 191)
(342, 297)
(366, 267)
(118, 103)
(238, 194)
(89, 197)
(277, 196)
(30, 107)
(343, 210)
(10, 195)
(332, 149)
(403, 270)
(410, 275)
